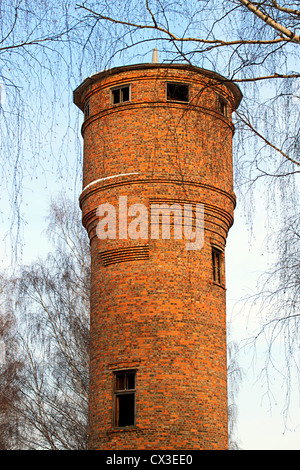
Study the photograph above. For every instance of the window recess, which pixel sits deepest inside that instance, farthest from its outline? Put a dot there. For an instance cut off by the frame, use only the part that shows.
(222, 106)
(124, 398)
(120, 94)
(217, 265)
(86, 110)
(177, 92)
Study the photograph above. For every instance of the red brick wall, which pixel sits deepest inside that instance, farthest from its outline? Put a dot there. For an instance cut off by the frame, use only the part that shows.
(154, 305)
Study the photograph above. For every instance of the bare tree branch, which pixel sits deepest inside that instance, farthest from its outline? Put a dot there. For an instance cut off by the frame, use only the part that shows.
(173, 37)
(52, 306)
(248, 123)
(285, 9)
(282, 30)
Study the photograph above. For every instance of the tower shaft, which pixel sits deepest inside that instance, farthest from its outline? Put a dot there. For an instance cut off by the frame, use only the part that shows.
(157, 155)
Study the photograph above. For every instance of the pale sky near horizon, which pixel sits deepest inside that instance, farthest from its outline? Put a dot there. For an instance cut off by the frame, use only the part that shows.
(261, 424)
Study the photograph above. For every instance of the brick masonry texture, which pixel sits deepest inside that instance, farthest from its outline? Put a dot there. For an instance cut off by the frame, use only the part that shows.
(154, 305)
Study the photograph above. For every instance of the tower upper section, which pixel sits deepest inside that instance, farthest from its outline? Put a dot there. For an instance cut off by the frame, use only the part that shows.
(137, 117)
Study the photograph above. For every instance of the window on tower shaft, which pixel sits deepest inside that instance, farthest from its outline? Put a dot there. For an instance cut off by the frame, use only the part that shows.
(124, 398)
(120, 94)
(217, 265)
(222, 106)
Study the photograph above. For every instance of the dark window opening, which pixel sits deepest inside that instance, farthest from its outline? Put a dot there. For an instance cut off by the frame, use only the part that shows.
(125, 94)
(125, 410)
(217, 265)
(115, 96)
(124, 400)
(120, 94)
(223, 106)
(177, 92)
(86, 110)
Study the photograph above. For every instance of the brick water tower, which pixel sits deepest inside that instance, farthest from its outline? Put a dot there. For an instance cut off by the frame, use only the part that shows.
(158, 144)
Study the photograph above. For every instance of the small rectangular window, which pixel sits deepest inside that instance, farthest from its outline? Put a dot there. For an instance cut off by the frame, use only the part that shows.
(177, 92)
(124, 398)
(217, 265)
(86, 110)
(222, 106)
(120, 94)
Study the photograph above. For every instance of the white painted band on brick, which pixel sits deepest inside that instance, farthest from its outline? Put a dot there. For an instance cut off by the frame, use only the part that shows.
(107, 178)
